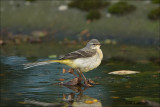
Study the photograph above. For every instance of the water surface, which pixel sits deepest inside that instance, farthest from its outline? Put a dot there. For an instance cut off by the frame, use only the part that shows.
(40, 83)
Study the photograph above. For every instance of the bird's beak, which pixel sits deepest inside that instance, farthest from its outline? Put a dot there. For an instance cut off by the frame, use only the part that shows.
(98, 44)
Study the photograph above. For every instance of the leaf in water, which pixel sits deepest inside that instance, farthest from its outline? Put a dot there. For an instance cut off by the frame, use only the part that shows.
(89, 102)
(71, 71)
(128, 86)
(155, 76)
(112, 91)
(61, 79)
(115, 97)
(64, 70)
(155, 85)
(95, 100)
(22, 102)
(2, 74)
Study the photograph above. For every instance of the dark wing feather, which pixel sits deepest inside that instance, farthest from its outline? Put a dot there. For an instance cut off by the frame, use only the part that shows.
(82, 53)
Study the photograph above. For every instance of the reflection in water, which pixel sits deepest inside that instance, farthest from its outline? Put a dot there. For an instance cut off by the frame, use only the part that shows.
(27, 101)
(76, 99)
(80, 100)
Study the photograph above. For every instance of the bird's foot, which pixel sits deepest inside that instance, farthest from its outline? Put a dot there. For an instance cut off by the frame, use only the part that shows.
(87, 83)
(92, 82)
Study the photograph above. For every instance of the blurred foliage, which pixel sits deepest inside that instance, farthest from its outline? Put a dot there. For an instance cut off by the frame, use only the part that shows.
(93, 14)
(154, 14)
(121, 8)
(155, 1)
(140, 30)
(88, 5)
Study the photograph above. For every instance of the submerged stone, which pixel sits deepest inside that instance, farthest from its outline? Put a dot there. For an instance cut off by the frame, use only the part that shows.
(123, 72)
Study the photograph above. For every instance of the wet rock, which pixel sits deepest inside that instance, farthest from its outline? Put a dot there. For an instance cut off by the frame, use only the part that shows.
(75, 81)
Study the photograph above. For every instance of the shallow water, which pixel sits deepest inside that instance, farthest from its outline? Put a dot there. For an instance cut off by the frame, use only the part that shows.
(40, 84)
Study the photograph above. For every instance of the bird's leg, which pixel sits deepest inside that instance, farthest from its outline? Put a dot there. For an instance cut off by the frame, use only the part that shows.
(80, 75)
(84, 76)
(85, 80)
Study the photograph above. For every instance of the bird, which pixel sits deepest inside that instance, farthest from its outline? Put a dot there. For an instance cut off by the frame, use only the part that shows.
(82, 60)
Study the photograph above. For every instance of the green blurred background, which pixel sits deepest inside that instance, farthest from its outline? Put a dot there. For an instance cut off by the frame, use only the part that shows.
(38, 30)
(130, 22)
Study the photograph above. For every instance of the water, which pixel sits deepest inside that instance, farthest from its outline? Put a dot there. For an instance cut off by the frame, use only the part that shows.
(39, 84)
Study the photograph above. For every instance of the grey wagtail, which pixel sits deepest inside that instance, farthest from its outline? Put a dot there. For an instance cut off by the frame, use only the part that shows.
(83, 60)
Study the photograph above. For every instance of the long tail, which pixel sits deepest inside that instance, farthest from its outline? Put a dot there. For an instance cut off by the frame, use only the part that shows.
(30, 65)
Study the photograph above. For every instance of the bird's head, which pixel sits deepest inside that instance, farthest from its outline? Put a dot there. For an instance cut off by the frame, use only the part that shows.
(93, 44)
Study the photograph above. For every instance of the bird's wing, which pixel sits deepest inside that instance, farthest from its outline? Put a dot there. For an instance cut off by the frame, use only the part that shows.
(82, 53)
